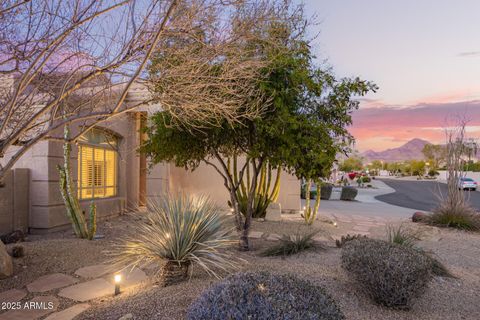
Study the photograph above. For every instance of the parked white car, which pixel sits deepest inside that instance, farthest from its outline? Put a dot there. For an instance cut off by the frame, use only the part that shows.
(467, 184)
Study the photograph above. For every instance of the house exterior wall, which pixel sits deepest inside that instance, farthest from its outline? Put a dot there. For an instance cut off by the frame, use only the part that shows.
(46, 207)
(14, 201)
(205, 180)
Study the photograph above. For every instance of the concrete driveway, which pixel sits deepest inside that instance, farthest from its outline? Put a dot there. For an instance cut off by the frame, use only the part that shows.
(420, 195)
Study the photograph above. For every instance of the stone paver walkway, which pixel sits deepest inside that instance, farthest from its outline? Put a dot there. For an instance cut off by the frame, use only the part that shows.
(50, 282)
(92, 272)
(13, 295)
(69, 313)
(88, 290)
(94, 282)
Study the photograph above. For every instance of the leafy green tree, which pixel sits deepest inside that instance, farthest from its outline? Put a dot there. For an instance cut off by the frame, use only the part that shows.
(351, 164)
(302, 128)
(435, 154)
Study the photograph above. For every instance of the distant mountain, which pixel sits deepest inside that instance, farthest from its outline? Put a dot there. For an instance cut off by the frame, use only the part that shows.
(409, 151)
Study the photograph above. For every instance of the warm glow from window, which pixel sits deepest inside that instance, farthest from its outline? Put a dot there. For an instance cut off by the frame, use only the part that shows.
(97, 172)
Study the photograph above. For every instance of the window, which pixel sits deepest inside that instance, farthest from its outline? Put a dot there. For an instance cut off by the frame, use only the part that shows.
(97, 165)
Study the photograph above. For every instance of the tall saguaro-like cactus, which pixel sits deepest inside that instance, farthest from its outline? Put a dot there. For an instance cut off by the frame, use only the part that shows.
(70, 198)
(309, 213)
(265, 192)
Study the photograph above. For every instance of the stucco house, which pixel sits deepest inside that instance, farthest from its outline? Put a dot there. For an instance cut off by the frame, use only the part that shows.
(109, 170)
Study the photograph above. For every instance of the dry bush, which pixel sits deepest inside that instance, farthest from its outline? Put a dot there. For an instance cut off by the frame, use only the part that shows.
(454, 210)
(391, 274)
(264, 296)
(454, 215)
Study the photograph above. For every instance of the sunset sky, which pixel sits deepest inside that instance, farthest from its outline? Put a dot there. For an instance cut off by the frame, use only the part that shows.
(423, 54)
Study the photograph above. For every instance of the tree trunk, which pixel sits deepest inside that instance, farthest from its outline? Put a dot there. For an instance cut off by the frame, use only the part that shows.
(174, 272)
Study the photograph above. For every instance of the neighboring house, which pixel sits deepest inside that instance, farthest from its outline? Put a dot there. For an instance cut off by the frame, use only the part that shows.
(108, 170)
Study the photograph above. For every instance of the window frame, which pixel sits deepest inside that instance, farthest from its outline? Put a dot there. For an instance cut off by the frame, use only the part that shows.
(103, 148)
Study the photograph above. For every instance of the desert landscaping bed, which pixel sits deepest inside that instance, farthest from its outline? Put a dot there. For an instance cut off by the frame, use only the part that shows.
(445, 298)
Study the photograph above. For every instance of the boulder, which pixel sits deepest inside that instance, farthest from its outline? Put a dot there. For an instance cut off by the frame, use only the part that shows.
(6, 264)
(13, 237)
(274, 212)
(418, 216)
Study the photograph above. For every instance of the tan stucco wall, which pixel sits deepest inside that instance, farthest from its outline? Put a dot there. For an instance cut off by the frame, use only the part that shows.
(205, 180)
(47, 210)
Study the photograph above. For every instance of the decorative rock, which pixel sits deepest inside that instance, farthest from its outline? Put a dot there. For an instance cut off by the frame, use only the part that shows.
(273, 237)
(17, 251)
(88, 290)
(13, 237)
(33, 309)
(255, 234)
(128, 316)
(13, 295)
(69, 313)
(6, 264)
(274, 212)
(50, 282)
(95, 271)
(418, 216)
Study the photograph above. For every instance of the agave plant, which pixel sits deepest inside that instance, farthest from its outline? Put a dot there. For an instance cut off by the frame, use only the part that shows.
(182, 231)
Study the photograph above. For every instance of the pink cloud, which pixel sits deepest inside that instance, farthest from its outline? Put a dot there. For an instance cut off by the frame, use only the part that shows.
(385, 127)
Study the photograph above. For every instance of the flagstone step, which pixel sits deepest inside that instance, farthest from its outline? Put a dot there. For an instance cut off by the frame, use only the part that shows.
(88, 290)
(50, 282)
(95, 271)
(13, 295)
(70, 313)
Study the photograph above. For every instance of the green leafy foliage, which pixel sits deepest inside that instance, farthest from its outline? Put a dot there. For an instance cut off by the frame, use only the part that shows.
(302, 128)
(351, 164)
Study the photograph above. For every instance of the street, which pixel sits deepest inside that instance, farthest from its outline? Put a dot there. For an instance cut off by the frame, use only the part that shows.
(420, 195)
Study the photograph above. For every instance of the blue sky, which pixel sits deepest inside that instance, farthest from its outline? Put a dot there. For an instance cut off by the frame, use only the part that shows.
(421, 53)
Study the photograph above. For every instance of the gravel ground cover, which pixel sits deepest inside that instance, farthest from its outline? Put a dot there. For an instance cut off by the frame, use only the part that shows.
(444, 299)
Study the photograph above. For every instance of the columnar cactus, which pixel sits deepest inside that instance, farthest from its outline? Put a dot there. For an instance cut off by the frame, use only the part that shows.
(265, 193)
(70, 198)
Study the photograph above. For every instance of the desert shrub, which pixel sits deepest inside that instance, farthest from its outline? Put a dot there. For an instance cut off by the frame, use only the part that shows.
(406, 237)
(291, 244)
(433, 173)
(348, 193)
(344, 239)
(402, 235)
(326, 191)
(264, 296)
(182, 231)
(461, 216)
(391, 274)
(366, 179)
(18, 251)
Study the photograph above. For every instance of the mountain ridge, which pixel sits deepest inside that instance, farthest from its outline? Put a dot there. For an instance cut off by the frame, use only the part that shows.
(411, 150)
